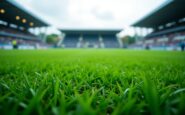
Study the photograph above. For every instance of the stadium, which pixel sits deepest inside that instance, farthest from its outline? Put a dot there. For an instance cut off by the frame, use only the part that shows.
(90, 38)
(92, 71)
(167, 23)
(15, 22)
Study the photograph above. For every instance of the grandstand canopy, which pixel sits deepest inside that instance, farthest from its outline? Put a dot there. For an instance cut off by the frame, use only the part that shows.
(90, 32)
(16, 14)
(170, 11)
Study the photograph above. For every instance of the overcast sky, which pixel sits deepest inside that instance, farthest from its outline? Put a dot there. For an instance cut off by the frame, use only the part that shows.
(91, 14)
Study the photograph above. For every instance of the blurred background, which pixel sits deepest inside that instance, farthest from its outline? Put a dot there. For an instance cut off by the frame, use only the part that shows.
(131, 24)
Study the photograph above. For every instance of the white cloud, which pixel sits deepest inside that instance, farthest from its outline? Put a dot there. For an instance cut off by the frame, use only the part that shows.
(91, 13)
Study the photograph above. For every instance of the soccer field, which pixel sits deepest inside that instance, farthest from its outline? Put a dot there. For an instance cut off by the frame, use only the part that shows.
(92, 81)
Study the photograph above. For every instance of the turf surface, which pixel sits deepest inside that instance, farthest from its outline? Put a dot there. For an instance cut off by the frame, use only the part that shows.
(92, 82)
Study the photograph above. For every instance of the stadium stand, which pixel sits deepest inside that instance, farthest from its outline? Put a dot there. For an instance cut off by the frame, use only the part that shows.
(90, 38)
(15, 22)
(168, 24)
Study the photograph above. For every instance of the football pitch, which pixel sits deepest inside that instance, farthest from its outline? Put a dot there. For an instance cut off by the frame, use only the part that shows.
(91, 82)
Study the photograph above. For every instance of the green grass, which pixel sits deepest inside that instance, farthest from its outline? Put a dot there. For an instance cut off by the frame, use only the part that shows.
(92, 81)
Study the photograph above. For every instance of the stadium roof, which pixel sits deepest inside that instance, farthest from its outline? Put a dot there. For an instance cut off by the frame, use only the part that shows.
(86, 31)
(170, 11)
(16, 14)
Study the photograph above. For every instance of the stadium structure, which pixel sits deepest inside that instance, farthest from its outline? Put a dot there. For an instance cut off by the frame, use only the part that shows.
(168, 25)
(15, 21)
(90, 38)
